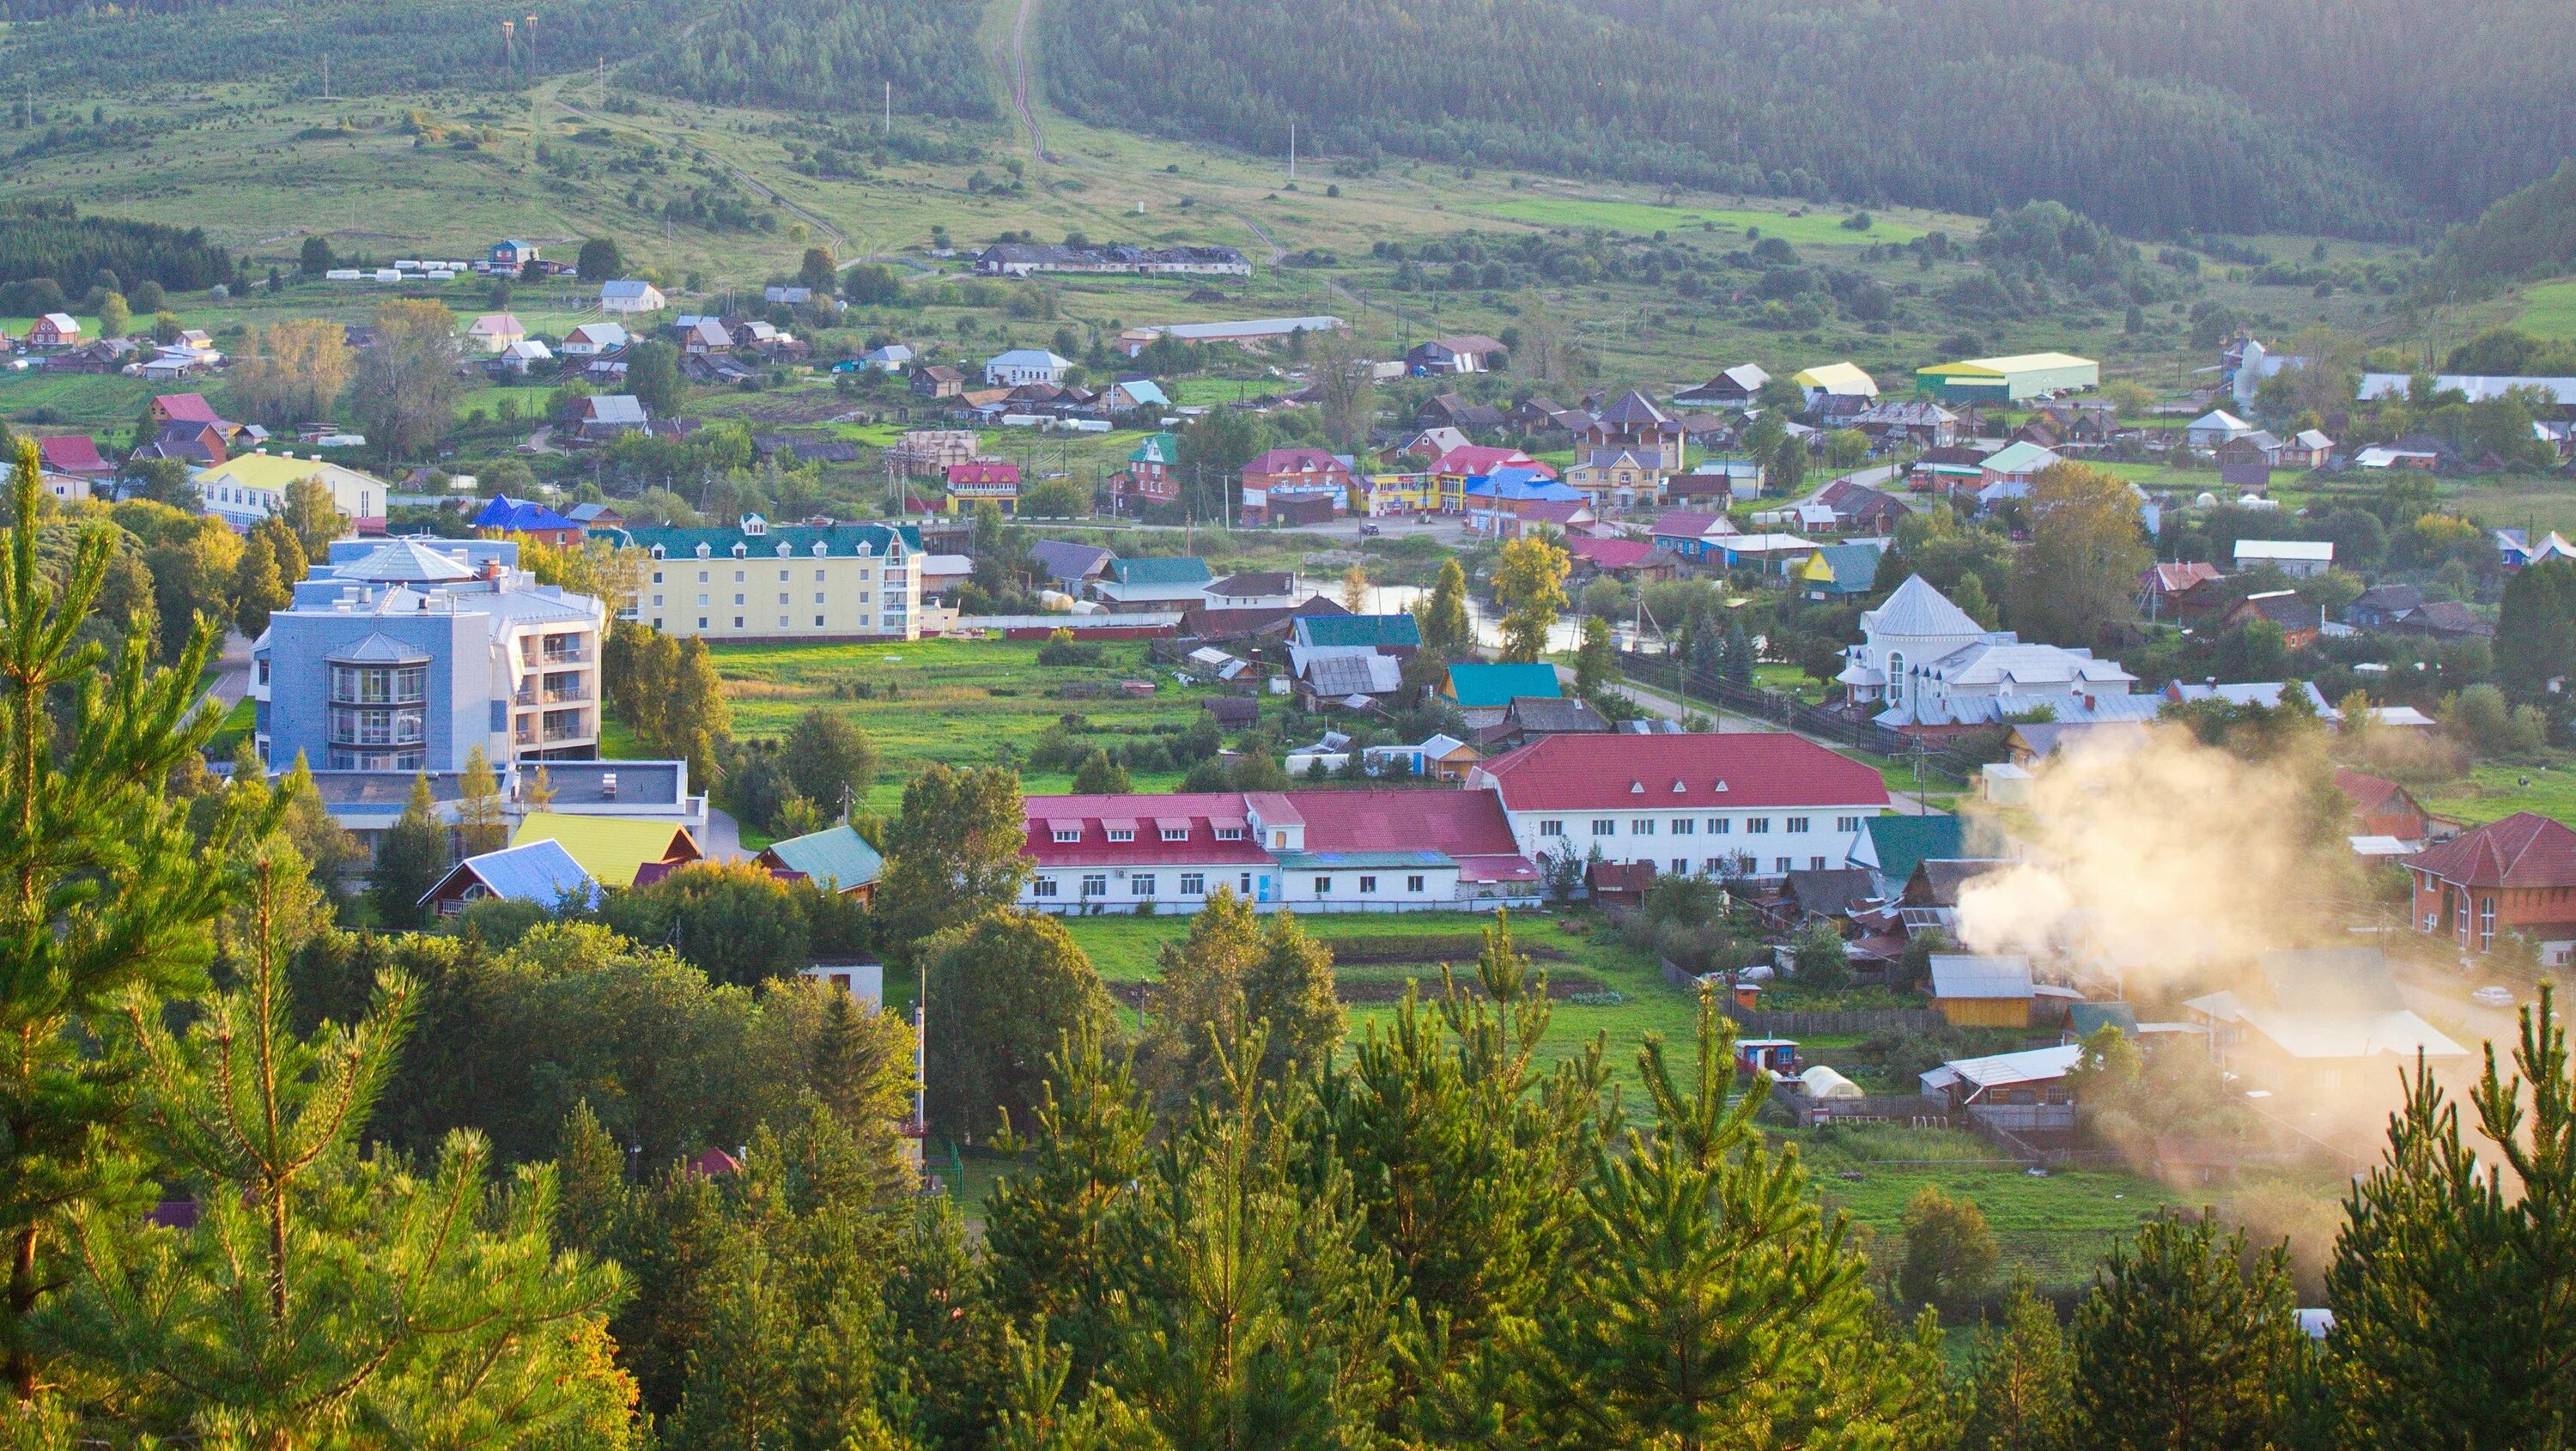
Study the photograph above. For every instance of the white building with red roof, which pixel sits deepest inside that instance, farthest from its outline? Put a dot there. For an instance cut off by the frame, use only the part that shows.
(1747, 804)
(1331, 851)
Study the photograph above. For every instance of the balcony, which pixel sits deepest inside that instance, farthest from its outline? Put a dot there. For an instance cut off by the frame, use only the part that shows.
(566, 695)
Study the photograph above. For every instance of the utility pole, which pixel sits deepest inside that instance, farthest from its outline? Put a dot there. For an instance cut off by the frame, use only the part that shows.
(1292, 151)
(326, 75)
(889, 108)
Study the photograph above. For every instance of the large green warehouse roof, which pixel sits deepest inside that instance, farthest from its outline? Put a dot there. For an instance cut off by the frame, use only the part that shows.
(2023, 375)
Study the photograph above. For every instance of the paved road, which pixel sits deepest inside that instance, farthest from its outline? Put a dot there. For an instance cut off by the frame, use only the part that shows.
(723, 839)
(232, 680)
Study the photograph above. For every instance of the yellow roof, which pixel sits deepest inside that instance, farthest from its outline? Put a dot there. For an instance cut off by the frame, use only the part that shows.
(271, 471)
(1997, 367)
(610, 848)
(1837, 378)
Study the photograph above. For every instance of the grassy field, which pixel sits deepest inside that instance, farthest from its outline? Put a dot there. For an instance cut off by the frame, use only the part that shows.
(1817, 227)
(2549, 310)
(951, 702)
(2492, 792)
(1124, 950)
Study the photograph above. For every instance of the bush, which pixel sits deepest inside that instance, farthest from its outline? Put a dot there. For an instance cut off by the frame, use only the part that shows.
(1949, 1251)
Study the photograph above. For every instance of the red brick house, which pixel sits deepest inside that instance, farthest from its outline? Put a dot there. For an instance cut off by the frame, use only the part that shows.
(2518, 874)
(54, 330)
(1301, 473)
(2382, 808)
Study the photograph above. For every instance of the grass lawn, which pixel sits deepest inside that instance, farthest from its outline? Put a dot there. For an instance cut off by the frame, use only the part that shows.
(1818, 227)
(2549, 310)
(1124, 950)
(2492, 792)
(2163, 476)
(80, 400)
(953, 702)
(2056, 1226)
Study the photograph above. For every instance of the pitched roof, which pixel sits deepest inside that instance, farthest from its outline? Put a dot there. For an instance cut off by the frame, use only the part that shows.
(1611, 553)
(1376, 631)
(837, 857)
(1295, 461)
(610, 848)
(1089, 819)
(1554, 715)
(406, 561)
(538, 871)
(1903, 842)
(1831, 891)
(1253, 584)
(1916, 608)
(1837, 378)
(1736, 770)
(2024, 457)
(378, 648)
(1454, 823)
(1064, 560)
(1345, 675)
(1963, 975)
(520, 516)
(70, 452)
(2523, 850)
(1474, 685)
(1161, 569)
(187, 408)
(1634, 410)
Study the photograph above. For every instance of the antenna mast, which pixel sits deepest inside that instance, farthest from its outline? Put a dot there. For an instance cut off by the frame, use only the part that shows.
(1292, 151)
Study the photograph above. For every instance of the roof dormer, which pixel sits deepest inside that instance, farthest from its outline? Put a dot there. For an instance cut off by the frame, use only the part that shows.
(821, 549)
(754, 525)
(741, 550)
(703, 549)
(1636, 788)
(785, 549)
(657, 551)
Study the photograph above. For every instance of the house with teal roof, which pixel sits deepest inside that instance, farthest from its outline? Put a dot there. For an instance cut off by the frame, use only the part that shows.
(1395, 634)
(1152, 475)
(1160, 581)
(1484, 693)
(837, 859)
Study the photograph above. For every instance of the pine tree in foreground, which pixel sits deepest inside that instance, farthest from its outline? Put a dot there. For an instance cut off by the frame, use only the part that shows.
(2188, 1342)
(103, 888)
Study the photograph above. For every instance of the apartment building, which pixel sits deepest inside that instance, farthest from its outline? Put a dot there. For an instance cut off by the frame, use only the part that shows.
(759, 581)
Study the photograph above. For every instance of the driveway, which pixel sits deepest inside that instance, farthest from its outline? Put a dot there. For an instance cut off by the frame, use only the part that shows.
(722, 840)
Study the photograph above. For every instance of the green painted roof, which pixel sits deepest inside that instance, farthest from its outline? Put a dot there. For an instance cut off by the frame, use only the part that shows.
(1500, 685)
(1906, 842)
(836, 856)
(1374, 630)
(2086, 1019)
(1158, 448)
(1161, 569)
(1326, 861)
(838, 539)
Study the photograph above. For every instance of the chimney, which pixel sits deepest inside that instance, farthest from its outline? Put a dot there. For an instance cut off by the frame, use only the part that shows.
(492, 569)
(608, 785)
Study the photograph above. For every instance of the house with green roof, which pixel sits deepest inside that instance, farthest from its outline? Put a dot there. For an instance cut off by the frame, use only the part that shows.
(1397, 634)
(837, 859)
(780, 583)
(610, 848)
(1168, 581)
(1893, 846)
(1152, 475)
(1837, 571)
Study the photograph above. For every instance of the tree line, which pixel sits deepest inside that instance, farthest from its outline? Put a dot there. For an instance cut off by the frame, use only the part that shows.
(1966, 105)
(829, 55)
(53, 240)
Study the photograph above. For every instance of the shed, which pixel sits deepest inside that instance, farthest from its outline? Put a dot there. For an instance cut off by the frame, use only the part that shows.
(836, 858)
(1974, 991)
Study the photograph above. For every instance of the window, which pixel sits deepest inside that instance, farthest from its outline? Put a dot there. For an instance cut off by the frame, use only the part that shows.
(1683, 826)
(782, 576)
(818, 576)
(1323, 886)
(1122, 833)
(702, 601)
(1176, 833)
(782, 597)
(818, 622)
(1042, 887)
(1413, 885)
(1229, 833)
(1551, 828)
(1095, 884)
(1604, 826)
(1758, 825)
(1714, 866)
(737, 599)
(737, 576)
(702, 576)
(1797, 823)
(1681, 866)
(1815, 864)
(702, 622)
(2486, 924)
(1781, 865)
(782, 622)
(1247, 884)
(1368, 886)
(818, 596)
(657, 576)
(1719, 826)
(1141, 885)
(1846, 823)
(1193, 884)
(737, 620)
(1067, 833)
(1641, 826)
(657, 602)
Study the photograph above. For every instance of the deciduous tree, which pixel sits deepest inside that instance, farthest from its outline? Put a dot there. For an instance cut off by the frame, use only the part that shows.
(1529, 583)
(408, 381)
(1006, 990)
(2079, 576)
(410, 858)
(953, 854)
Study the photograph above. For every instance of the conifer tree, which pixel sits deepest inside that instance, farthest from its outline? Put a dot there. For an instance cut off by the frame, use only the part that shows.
(1196, 995)
(2024, 1378)
(1446, 633)
(2451, 1279)
(322, 1293)
(2187, 1341)
(103, 888)
(411, 856)
(257, 591)
(479, 823)
(1289, 985)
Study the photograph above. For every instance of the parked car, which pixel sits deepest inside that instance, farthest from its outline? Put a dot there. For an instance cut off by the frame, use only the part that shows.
(2493, 995)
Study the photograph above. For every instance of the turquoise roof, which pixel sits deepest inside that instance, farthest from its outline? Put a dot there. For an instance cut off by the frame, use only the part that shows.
(1855, 566)
(1906, 842)
(1500, 685)
(1158, 448)
(1379, 631)
(1161, 569)
(836, 856)
(1302, 861)
(800, 539)
(2085, 1019)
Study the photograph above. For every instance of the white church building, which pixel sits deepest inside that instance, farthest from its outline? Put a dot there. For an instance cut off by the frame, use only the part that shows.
(1924, 664)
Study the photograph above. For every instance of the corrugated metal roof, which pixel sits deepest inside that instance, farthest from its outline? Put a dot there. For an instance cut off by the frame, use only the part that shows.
(1961, 975)
(837, 856)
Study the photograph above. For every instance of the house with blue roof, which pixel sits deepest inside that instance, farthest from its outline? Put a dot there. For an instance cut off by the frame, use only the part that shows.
(505, 515)
(1398, 634)
(542, 872)
(1493, 501)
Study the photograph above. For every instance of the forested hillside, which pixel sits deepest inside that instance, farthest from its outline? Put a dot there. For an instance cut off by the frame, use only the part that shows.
(830, 55)
(2156, 117)
(2531, 233)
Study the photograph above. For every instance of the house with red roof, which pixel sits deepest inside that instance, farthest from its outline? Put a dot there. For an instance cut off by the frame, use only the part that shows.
(971, 483)
(184, 408)
(2382, 808)
(1758, 804)
(73, 453)
(1451, 471)
(2514, 875)
(1626, 558)
(1332, 851)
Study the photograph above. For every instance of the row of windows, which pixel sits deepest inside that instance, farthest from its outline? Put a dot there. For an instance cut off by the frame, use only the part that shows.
(1194, 884)
(1741, 864)
(786, 622)
(820, 577)
(1690, 826)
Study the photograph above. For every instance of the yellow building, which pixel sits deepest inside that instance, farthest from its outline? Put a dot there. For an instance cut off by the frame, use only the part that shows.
(1982, 992)
(791, 582)
(249, 487)
(1388, 494)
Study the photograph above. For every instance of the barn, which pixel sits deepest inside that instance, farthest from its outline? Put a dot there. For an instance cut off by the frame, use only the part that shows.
(2008, 380)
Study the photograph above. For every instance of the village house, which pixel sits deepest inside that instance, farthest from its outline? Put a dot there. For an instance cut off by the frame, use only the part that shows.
(2514, 875)
(628, 297)
(1295, 484)
(1467, 353)
(980, 480)
(2206, 433)
(1923, 665)
(2382, 808)
(1025, 365)
(54, 330)
(494, 331)
(541, 873)
(1264, 589)
(1737, 805)
(2301, 621)
(1448, 410)
(603, 416)
(1636, 427)
(1690, 534)
(937, 381)
(1499, 504)
(2381, 606)
(2324, 1025)
(1908, 423)
(1838, 571)
(1733, 387)
(1827, 381)
(1152, 475)
(1982, 992)
(2161, 586)
(1484, 693)
(2297, 558)
(2018, 1092)
(837, 859)
(1162, 582)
